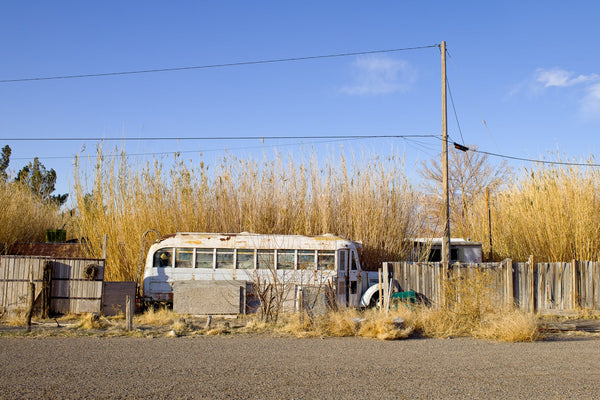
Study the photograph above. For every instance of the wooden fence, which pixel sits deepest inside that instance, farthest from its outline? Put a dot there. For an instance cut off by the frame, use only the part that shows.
(62, 285)
(541, 287)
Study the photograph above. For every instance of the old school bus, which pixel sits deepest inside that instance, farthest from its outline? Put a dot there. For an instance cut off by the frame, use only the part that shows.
(301, 260)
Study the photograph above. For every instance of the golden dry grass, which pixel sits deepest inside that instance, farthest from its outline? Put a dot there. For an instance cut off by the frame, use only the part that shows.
(14, 318)
(160, 316)
(470, 309)
(24, 217)
(368, 200)
(89, 321)
(509, 326)
(550, 212)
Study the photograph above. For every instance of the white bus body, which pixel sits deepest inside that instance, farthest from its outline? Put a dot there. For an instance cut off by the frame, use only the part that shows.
(301, 260)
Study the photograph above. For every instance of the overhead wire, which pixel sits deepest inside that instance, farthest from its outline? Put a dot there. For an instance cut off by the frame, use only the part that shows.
(254, 137)
(234, 64)
(472, 99)
(454, 109)
(326, 139)
(537, 161)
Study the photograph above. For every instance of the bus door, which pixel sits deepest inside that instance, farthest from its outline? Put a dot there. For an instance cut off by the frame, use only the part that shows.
(354, 280)
(343, 279)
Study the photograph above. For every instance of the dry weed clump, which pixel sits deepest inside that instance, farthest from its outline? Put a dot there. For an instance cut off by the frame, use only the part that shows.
(369, 200)
(180, 327)
(509, 326)
(15, 318)
(386, 326)
(344, 323)
(161, 316)
(89, 321)
(471, 308)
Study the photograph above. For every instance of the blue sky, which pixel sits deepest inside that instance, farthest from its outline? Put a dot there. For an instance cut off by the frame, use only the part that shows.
(529, 69)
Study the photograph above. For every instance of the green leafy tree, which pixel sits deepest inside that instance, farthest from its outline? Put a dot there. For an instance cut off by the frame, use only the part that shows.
(41, 181)
(4, 161)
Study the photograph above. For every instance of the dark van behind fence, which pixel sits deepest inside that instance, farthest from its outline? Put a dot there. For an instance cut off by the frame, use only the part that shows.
(532, 287)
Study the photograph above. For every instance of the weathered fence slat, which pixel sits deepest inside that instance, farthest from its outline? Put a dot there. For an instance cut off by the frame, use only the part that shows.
(74, 285)
(532, 287)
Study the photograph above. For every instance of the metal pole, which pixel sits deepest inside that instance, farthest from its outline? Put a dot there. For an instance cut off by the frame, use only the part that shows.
(446, 208)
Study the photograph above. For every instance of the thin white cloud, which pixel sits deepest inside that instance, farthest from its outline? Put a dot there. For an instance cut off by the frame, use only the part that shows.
(561, 78)
(374, 75)
(585, 88)
(590, 104)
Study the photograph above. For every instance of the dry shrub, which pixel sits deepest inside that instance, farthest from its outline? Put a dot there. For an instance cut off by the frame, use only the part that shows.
(369, 200)
(14, 318)
(181, 326)
(298, 325)
(509, 326)
(91, 321)
(344, 323)
(218, 331)
(25, 217)
(255, 324)
(340, 323)
(471, 308)
(156, 316)
(384, 326)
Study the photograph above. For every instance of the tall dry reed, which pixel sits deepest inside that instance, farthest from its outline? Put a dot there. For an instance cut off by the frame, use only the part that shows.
(25, 217)
(363, 199)
(549, 212)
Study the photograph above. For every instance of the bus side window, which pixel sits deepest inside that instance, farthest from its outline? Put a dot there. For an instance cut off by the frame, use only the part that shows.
(306, 259)
(325, 260)
(285, 259)
(245, 259)
(162, 258)
(225, 258)
(183, 258)
(205, 258)
(265, 259)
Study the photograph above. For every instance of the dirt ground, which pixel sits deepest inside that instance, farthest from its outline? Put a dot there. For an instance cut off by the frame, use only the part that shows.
(259, 367)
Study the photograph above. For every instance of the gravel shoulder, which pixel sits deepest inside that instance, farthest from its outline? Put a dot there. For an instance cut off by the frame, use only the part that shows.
(259, 366)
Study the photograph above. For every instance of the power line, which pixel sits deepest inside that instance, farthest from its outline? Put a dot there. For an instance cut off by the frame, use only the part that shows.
(531, 160)
(455, 113)
(472, 99)
(325, 139)
(237, 64)
(163, 138)
(534, 160)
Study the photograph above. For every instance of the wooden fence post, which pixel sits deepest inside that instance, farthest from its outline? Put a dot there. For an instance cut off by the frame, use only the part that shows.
(46, 291)
(386, 288)
(531, 298)
(128, 314)
(380, 294)
(30, 302)
(574, 285)
(509, 291)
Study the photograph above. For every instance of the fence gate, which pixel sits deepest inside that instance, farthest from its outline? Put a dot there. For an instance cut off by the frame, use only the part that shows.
(65, 285)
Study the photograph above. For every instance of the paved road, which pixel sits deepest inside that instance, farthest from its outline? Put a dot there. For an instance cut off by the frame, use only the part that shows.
(260, 367)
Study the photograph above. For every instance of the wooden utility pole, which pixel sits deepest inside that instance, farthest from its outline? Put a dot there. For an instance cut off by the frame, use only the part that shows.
(487, 203)
(446, 208)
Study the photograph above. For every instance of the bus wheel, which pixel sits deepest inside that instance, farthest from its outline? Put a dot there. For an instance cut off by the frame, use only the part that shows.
(374, 302)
